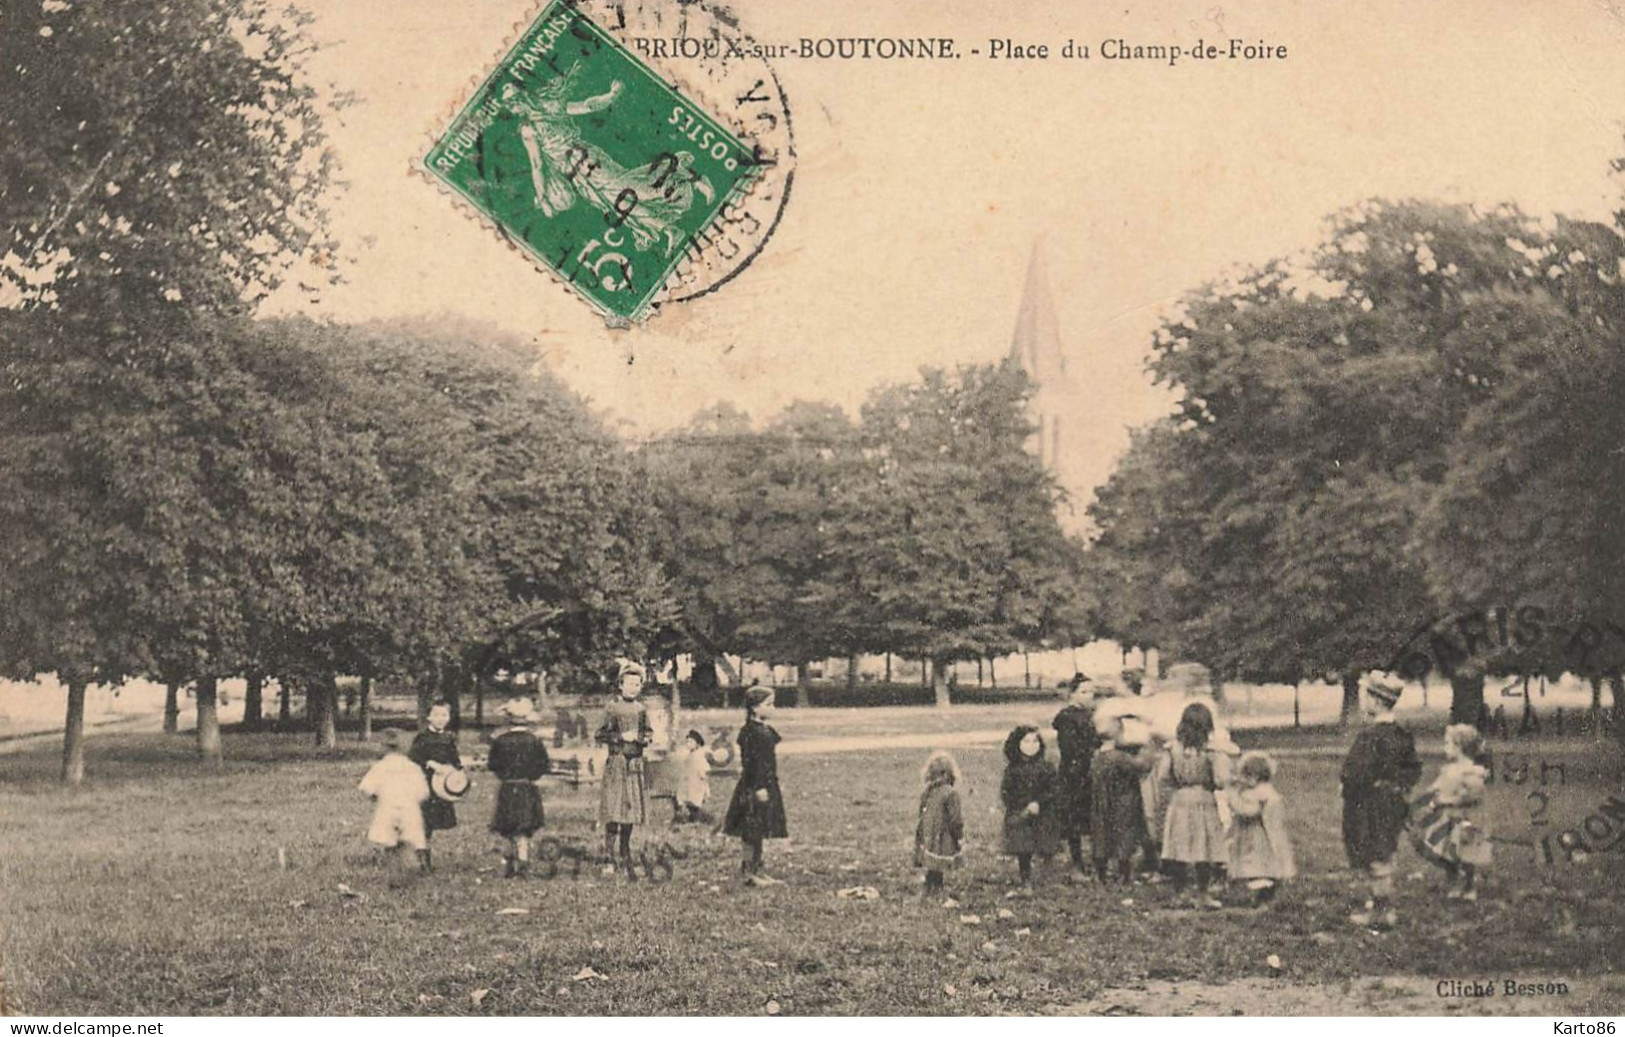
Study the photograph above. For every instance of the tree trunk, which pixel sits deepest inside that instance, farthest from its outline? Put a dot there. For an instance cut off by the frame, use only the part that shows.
(992, 675)
(425, 700)
(451, 691)
(939, 684)
(172, 707)
(73, 734)
(479, 703)
(1617, 679)
(323, 695)
(1351, 699)
(981, 676)
(1297, 720)
(803, 686)
(888, 667)
(254, 702)
(1218, 691)
(1467, 698)
(1027, 670)
(1596, 702)
(366, 710)
(284, 707)
(852, 673)
(208, 719)
(925, 673)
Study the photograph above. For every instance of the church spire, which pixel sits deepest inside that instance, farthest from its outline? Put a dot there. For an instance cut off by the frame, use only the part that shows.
(1037, 348)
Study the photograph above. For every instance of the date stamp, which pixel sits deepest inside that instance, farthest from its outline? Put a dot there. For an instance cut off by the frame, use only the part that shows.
(589, 162)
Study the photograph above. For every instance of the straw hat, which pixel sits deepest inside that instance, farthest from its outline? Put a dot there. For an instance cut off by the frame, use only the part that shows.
(519, 710)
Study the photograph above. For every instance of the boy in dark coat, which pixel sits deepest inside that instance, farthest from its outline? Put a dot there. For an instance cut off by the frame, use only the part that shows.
(1028, 792)
(519, 759)
(756, 811)
(1378, 774)
(1077, 741)
(435, 749)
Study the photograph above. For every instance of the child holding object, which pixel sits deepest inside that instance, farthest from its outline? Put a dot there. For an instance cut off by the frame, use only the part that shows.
(1028, 792)
(1260, 851)
(519, 759)
(1116, 812)
(398, 786)
(1449, 831)
(756, 811)
(939, 835)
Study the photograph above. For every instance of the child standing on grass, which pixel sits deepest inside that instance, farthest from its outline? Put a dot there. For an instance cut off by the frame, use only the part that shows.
(1260, 852)
(1076, 740)
(1452, 834)
(939, 835)
(1378, 773)
(694, 783)
(1192, 833)
(623, 801)
(520, 760)
(435, 749)
(1116, 811)
(756, 811)
(1028, 792)
(398, 786)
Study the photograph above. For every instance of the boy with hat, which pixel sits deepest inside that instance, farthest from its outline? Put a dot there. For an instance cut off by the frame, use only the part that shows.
(1378, 773)
(520, 760)
(624, 795)
(397, 784)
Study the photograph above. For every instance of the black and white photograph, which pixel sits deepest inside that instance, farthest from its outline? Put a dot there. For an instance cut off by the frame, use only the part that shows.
(764, 508)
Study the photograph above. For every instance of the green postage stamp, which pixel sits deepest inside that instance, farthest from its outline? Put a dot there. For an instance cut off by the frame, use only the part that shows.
(591, 163)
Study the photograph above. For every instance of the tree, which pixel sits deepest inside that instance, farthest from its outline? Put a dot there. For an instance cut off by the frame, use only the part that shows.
(1527, 515)
(164, 167)
(1318, 402)
(966, 557)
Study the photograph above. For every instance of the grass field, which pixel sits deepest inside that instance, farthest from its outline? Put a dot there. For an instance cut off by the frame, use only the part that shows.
(156, 889)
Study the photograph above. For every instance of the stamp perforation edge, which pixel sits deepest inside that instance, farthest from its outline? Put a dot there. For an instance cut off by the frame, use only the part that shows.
(666, 81)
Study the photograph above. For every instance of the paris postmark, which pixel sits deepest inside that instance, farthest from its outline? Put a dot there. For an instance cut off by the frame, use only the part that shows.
(601, 171)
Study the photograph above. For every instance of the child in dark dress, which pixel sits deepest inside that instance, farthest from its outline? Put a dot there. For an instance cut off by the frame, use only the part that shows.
(1378, 773)
(1077, 741)
(435, 750)
(756, 811)
(939, 834)
(1028, 792)
(519, 759)
(1117, 812)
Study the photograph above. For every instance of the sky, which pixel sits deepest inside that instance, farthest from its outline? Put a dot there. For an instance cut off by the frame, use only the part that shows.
(922, 187)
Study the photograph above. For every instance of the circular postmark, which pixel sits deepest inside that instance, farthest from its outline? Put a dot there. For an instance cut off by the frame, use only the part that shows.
(702, 49)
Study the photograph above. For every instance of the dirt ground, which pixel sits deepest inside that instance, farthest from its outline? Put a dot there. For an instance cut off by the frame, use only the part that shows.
(1377, 995)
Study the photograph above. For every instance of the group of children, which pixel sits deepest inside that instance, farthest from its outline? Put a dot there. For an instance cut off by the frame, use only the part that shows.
(1197, 817)
(1195, 808)
(414, 798)
(1201, 824)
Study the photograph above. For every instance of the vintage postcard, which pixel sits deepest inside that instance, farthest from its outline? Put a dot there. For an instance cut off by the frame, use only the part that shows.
(772, 508)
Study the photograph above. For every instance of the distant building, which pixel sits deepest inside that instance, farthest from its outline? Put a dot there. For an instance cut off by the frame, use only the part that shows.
(1036, 346)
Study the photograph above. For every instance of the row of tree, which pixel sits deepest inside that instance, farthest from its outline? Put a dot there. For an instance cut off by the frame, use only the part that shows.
(1401, 452)
(925, 529)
